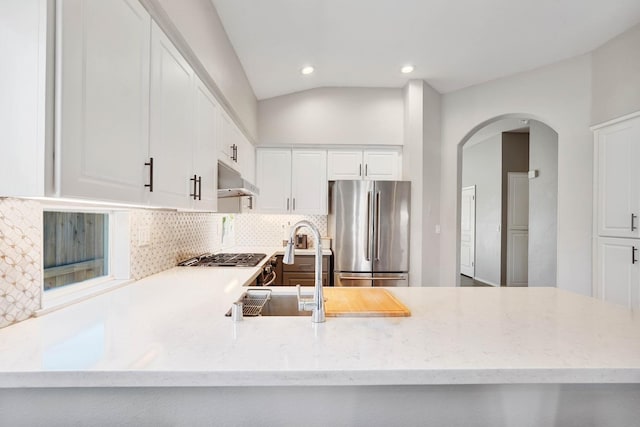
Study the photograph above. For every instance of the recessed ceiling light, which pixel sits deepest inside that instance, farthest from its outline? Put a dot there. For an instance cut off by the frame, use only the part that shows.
(307, 70)
(406, 69)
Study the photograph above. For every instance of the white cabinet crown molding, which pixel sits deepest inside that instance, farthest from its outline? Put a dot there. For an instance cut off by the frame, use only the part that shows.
(614, 121)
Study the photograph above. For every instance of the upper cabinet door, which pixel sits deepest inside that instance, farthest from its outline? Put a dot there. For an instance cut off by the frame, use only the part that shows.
(273, 170)
(228, 146)
(382, 165)
(344, 164)
(619, 179)
(23, 99)
(205, 156)
(247, 159)
(309, 182)
(102, 80)
(172, 124)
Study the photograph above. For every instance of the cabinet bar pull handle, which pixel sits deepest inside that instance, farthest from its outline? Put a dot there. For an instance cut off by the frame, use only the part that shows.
(633, 255)
(234, 153)
(360, 170)
(287, 203)
(150, 184)
(294, 203)
(633, 222)
(366, 169)
(195, 189)
(200, 188)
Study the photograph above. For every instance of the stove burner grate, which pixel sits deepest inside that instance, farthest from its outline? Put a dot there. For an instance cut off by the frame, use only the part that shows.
(224, 260)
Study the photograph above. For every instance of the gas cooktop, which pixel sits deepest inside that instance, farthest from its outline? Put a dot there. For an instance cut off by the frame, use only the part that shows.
(224, 260)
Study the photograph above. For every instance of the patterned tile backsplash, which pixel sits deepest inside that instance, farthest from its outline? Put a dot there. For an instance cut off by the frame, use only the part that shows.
(20, 259)
(271, 230)
(158, 240)
(174, 236)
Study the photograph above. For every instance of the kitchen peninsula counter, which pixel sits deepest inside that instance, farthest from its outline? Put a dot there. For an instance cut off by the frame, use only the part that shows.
(169, 330)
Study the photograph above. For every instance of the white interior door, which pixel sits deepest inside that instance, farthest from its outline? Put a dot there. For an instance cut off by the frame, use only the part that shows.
(518, 229)
(468, 231)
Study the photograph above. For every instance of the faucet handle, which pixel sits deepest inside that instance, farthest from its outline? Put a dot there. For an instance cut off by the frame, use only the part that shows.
(300, 300)
(304, 304)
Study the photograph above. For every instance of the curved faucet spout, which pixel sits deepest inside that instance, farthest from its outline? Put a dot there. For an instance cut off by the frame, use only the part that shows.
(317, 304)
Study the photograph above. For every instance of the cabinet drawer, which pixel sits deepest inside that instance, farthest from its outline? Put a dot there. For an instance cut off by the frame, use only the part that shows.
(303, 279)
(306, 263)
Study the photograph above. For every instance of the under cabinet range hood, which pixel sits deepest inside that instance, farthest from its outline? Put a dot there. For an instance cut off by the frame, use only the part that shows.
(231, 184)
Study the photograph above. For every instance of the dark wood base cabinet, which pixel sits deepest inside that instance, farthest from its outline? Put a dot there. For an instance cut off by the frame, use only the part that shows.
(301, 272)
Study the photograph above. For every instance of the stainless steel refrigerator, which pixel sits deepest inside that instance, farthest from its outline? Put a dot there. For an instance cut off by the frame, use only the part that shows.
(369, 223)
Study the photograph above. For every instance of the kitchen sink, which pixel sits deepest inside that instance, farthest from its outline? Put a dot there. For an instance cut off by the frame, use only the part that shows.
(263, 302)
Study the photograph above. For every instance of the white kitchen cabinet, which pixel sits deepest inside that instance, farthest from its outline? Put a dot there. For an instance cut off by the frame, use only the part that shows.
(23, 89)
(103, 99)
(618, 171)
(204, 176)
(227, 147)
(273, 170)
(129, 115)
(309, 182)
(292, 181)
(367, 164)
(344, 164)
(247, 154)
(382, 165)
(235, 150)
(172, 124)
(618, 271)
(617, 206)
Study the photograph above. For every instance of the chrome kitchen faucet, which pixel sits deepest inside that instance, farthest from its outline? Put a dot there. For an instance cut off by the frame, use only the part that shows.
(315, 305)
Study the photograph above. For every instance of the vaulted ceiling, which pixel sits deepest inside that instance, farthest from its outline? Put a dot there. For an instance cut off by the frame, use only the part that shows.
(451, 43)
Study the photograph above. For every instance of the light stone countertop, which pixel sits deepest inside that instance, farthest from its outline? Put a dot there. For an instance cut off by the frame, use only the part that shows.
(170, 330)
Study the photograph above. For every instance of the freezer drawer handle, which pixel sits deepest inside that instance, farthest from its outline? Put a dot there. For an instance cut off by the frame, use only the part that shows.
(372, 278)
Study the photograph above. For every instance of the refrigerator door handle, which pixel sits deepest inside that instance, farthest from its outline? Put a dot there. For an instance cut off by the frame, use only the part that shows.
(368, 228)
(377, 255)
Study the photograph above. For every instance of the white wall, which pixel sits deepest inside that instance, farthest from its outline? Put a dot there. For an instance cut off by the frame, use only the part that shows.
(200, 26)
(558, 95)
(482, 167)
(543, 205)
(413, 170)
(432, 138)
(333, 116)
(616, 77)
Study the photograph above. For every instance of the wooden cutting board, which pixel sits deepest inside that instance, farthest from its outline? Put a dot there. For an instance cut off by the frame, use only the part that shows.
(362, 302)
